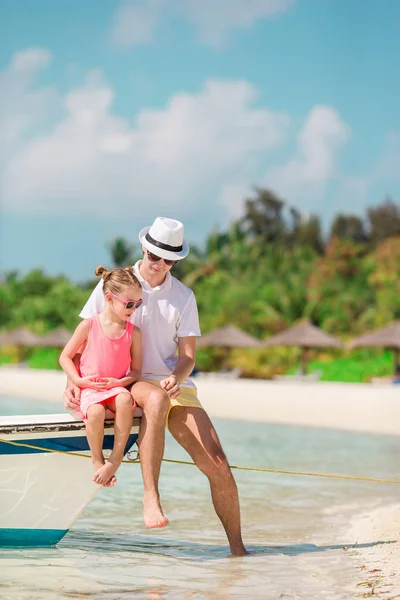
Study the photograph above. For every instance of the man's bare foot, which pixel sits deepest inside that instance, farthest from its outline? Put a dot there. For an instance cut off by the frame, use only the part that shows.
(103, 474)
(237, 552)
(153, 515)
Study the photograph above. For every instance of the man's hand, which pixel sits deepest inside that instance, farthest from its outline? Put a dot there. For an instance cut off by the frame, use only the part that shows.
(72, 397)
(171, 386)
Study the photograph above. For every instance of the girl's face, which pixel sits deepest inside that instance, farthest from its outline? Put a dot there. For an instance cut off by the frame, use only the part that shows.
(126, 302)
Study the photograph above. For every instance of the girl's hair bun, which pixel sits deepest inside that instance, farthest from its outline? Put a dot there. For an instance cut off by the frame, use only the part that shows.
(101, 271)
(116, 279)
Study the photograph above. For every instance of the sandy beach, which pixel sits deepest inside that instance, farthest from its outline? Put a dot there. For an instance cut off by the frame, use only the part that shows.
(374, 536)
(377, 549)
(348, 406)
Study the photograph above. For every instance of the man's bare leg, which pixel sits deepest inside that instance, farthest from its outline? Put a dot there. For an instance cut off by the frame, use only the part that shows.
(193, 430)
(155, 405)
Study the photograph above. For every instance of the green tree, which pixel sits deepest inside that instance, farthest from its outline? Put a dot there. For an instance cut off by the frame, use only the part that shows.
(7, 300)
(349, 227)
(122, 253)
(43, 312)
(384, 220)
(307, 233)
(34, 283)
(263, 216)
(337, 288)
(385, 278)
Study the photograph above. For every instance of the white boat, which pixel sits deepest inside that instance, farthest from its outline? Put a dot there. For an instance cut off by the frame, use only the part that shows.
(44, 482)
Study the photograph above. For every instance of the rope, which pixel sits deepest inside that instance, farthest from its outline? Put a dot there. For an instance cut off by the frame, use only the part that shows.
(238, 467)
(283, 472)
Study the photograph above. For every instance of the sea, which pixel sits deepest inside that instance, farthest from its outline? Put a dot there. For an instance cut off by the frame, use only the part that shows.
(295, 527)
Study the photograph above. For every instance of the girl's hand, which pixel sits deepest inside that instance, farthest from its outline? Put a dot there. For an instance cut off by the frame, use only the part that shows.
(110, 382)
(92, 382)
(171, 386)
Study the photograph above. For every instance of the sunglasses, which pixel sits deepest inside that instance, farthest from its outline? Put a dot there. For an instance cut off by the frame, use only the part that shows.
(128, 303)
(153, 258)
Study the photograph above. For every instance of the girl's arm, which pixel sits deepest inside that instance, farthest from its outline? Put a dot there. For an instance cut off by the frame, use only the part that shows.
(67, 356)
(136, 358)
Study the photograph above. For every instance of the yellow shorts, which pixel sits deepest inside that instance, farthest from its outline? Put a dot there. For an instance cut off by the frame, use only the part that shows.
(187, 397)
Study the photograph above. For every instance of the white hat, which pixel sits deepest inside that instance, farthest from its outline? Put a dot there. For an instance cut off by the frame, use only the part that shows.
(165, 239)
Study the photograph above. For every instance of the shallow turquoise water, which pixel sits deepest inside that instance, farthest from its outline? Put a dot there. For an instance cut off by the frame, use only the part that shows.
(292, 525)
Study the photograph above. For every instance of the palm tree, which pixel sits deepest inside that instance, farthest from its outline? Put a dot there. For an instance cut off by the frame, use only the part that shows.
(122, 253)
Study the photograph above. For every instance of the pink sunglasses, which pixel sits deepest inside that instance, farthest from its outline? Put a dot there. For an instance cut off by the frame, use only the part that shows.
(129, 303)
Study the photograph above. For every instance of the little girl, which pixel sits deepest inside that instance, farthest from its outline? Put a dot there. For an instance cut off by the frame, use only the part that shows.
(110, 361)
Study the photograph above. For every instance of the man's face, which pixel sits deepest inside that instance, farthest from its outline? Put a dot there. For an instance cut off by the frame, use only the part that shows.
(155, 264)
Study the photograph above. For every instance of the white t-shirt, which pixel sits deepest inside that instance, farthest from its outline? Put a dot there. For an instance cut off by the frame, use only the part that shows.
(168, 312)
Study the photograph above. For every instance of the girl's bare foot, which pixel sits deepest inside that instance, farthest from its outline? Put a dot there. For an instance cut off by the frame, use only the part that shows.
(99, 466)
(105, 474)
(152, 513)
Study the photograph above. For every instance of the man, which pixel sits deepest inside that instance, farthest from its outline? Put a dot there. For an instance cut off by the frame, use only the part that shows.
(169, 323)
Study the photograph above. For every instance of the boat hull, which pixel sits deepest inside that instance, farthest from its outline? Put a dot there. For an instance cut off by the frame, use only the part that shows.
(45, 477)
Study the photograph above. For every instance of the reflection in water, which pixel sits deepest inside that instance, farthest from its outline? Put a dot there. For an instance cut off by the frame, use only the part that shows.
(292, 527)
(190, 551)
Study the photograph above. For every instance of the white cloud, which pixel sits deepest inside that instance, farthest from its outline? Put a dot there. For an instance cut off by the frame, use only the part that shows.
(135, 22)
(202, 151)
(92, 161)
(21, 106)
(138, 21)
(216, 19)
(305, 176)
(30, 60)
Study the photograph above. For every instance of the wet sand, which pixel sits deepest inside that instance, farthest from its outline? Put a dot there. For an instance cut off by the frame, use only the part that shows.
(379, 564)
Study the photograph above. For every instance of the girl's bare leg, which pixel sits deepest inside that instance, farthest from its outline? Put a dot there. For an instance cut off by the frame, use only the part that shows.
(95, 435)
(122, 406)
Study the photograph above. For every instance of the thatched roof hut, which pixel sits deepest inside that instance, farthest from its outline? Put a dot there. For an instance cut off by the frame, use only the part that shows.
(228, 337)
(56, 338)
(305, 335)
(385, 337)
(21, 336)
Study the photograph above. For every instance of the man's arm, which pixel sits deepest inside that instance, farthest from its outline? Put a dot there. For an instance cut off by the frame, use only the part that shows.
(72, 394)
(184, 366)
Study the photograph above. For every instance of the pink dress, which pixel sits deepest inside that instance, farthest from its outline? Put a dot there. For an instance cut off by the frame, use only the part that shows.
(104, 357)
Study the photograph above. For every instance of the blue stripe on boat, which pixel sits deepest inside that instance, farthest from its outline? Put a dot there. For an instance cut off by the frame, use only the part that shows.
(65, 444)
(29, 538)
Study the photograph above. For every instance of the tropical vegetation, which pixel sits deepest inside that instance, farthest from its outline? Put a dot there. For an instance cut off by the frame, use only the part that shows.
(269, 269)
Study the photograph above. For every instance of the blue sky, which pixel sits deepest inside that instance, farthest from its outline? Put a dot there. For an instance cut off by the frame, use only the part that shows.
(112, 113)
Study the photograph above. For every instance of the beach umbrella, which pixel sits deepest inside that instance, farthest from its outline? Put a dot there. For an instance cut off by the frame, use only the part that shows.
(386, 337)
(226, 338)
(229, 337)
(21, 336)
(305, 335)
(56, 338)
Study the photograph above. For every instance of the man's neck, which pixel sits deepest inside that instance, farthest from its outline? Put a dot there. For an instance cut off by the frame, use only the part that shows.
(153, 279)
